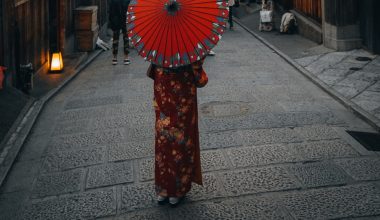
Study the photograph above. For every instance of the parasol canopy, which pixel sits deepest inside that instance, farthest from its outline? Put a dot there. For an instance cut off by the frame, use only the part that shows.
(173, 33)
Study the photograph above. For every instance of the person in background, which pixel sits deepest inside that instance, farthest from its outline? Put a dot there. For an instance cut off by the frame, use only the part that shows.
(266, 16)
(231, 4)
(288, 23)
(118, 22)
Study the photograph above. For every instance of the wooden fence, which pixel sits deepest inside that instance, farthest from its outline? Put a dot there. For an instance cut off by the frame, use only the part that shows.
(28, 19)
(311, 8)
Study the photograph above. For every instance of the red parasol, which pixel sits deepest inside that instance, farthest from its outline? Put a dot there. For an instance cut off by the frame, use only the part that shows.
(172, 33)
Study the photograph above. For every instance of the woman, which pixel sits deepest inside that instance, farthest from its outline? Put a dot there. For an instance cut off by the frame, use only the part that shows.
(177, 152)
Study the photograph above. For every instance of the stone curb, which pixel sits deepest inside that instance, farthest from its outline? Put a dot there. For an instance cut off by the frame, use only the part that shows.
(25, 124)
(13, 128)
(356, 109)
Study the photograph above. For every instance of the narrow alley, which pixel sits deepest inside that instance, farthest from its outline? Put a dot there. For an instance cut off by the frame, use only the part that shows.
(274, 146)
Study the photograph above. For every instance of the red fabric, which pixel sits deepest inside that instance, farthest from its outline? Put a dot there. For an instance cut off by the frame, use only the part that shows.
(177, 152)
(201, 78)
(2, 69)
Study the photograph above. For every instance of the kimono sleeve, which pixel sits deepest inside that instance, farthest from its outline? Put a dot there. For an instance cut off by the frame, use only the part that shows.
(200, 75)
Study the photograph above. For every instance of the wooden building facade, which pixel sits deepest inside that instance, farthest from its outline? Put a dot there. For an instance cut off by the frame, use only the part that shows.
(310, 8)
(32, 29)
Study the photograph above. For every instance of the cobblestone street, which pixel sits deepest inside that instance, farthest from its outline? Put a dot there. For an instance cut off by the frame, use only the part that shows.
(273, 145)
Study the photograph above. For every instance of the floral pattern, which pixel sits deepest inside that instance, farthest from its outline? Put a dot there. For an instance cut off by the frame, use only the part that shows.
(177, 153)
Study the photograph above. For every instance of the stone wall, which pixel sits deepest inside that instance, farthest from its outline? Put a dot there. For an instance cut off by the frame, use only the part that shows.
(308, 28)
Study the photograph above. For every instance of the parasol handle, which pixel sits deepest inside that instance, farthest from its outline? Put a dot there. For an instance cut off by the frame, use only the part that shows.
(172, 7)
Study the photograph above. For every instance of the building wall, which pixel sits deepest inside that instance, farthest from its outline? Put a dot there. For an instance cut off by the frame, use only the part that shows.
(369, 24)
(341, 12)
(341, 30)
(6, 36)
(1, 34)
(31, 17)
(24, 35)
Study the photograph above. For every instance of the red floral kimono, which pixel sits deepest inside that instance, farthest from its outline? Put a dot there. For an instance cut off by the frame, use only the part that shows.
(177, 152)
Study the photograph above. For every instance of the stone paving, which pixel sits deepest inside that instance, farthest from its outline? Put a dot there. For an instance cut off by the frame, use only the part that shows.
(273, 145)
(358, 81)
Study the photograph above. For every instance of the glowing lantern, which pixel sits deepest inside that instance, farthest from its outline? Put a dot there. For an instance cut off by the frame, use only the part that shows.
(56, 62)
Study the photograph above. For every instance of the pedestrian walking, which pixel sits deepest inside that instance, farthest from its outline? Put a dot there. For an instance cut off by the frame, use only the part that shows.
(118, 22)
(231, 5)
(177, 151)
(266, 16)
